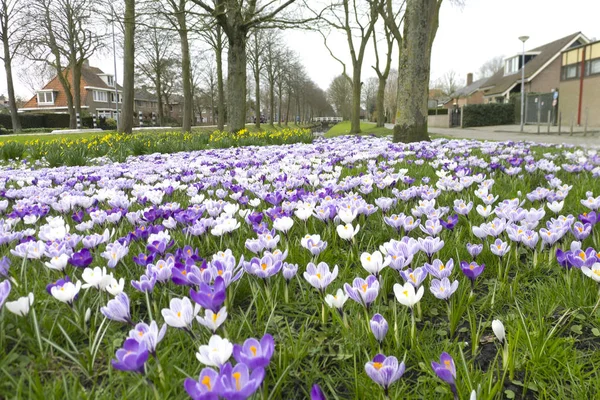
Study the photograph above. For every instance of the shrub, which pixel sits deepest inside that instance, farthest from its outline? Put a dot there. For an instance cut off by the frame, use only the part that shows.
(488, 114)
(11, 150)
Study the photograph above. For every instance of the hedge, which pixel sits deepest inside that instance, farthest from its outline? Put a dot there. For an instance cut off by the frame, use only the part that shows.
(29, 121)
(437, 111)
(488, 114)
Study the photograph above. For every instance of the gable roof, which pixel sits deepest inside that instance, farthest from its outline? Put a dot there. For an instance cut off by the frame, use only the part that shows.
(469, 89)
(89, 77)
(499, 84)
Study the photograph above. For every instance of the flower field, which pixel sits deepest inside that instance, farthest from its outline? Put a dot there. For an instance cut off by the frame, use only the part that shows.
(346, 268)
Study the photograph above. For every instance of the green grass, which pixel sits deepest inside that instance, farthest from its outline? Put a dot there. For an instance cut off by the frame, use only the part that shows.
(343, 128)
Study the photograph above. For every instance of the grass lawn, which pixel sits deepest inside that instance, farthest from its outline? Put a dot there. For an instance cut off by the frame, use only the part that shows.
(27, 137)
(343, 128)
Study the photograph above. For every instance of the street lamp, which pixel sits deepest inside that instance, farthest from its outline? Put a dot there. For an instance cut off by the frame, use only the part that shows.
(523, 39)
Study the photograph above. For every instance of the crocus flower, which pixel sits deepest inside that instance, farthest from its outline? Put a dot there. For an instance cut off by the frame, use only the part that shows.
(21, 305)
(205, 388)
(319, 275)
(384, 370)
(450, 223)
(180, 313)
(150, 335)
(253, 353)
(283, 224)
(374, 263)
(593, 272)
(264, 267)
(379, 327)
(4, 266)
(117, 309)
(146, 283)
(116, 286)
(58, 262)
(405, 294)
(498, 328)
(96, 277)
(363, 291)
(213, 320)
(289, 271)
(430, 245)
(81, 259)
(580, 230)
(474, 249)
(499, 248)
(4, 291)
(471, 270)
(580, 258)
(347, 232)
(336, 300)
(237, 383)
(445, 370)
(443, 289)
(210, 297)
(316, 393)
(414, 277)
(67, 292)
(216, 352)
(132, 357)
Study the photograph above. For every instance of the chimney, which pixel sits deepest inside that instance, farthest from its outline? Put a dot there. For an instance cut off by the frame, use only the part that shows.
(469, 78)
(86, 63)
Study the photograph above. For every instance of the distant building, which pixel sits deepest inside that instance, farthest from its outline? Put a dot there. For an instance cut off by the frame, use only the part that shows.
(579, 89)
(470, 94)
(542, 70)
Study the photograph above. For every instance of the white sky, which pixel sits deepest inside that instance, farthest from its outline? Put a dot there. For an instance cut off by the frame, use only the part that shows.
(467, 37)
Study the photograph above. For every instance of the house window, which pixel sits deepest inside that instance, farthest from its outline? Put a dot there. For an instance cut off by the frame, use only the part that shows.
(45, 97)
(112, 98)
(570, 72)
(110, 80)
(592, 67)
(100, 96)
(511, 66)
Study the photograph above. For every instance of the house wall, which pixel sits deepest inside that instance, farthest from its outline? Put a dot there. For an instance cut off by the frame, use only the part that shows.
(568, 103)
(438, 121)
(475, 98)
(546, 80)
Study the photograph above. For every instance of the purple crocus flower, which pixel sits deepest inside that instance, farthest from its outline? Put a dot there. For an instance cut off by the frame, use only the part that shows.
(117, 309)
(253, 353)
(4, 266)
(499, 248)
(589, 218)
(580, 230)
(206, 387)
(363, 291)
(379, 327)
(264, 267)
(450, 223)
(561, 257)
(316, 393)
(472, 270)
(81, 259)
(150, 335)
(440, 270)
(236, 383)
(289, 271)
(210, 297)
(415, 277)
(446, 371)
(443, 289)
(580, 258)
(146, 282)
(59, 282)
(132, 357)
(474, 249)
(384, 370)
(430, 245)
(4, 291)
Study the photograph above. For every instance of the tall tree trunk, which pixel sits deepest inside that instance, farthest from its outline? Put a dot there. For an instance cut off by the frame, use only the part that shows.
(420, 26)
(160, 111)
(279, 92)
(126, 120)
(272, 103)
(287, 110)
(236, 80)
(380, 99)
(256, 68)
(356, 89)
(220, 89)
(188, 98)
(12, 103)
(77, 89)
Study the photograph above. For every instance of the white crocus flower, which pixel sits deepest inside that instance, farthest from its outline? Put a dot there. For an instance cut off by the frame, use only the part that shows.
(373, 263)
(96, 277)
(283, 224)
(555, 206)
(216, 353)
(67, 292)
(498, 328)
(336, 300)
(180, 313)
(213, 320)
(593, 272)
(58, 263)
(347, 215)
(20, 306)
(347, 232)
(115, 287)
(405, 294)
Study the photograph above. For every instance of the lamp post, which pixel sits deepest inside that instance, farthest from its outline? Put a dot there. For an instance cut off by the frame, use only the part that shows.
(523, 39)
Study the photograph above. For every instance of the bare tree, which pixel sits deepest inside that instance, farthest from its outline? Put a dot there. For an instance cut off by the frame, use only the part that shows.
(271, 55)
(356, 25)
(35, 74)
(369, 94)
(257, 39)
(391, 95)
(12, 34)
(237, 19)
(449, 83)
(214, 36)
(491, 66)
(382, 74)
(129, 19)
(340, 95)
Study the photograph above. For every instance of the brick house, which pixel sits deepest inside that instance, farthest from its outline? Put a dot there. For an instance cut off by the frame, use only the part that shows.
(97, 94)
(542, 70)
(470, 94)
(579, 89)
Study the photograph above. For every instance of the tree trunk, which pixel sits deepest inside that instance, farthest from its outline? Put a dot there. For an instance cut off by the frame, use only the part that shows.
(12, 104)
(220, 89)
(256, 67)
(272, 103)
(287, 110)
(126, 120)
(160, 111)
(420, 24)
(77, 90)
(380, 99)
(356, 88)
(188, 98)
(279, 105)
(236, 80)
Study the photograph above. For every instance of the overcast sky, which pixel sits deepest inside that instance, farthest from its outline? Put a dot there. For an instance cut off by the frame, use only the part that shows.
(467, 37)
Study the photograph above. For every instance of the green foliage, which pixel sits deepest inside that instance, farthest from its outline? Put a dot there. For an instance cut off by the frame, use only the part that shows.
(29, 121)
(12, 151)
(488, 114)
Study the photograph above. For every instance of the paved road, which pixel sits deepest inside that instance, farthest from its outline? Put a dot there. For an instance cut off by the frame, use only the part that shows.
(511, 132)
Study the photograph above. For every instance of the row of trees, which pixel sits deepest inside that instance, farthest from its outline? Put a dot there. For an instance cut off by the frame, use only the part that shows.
(68, 32)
